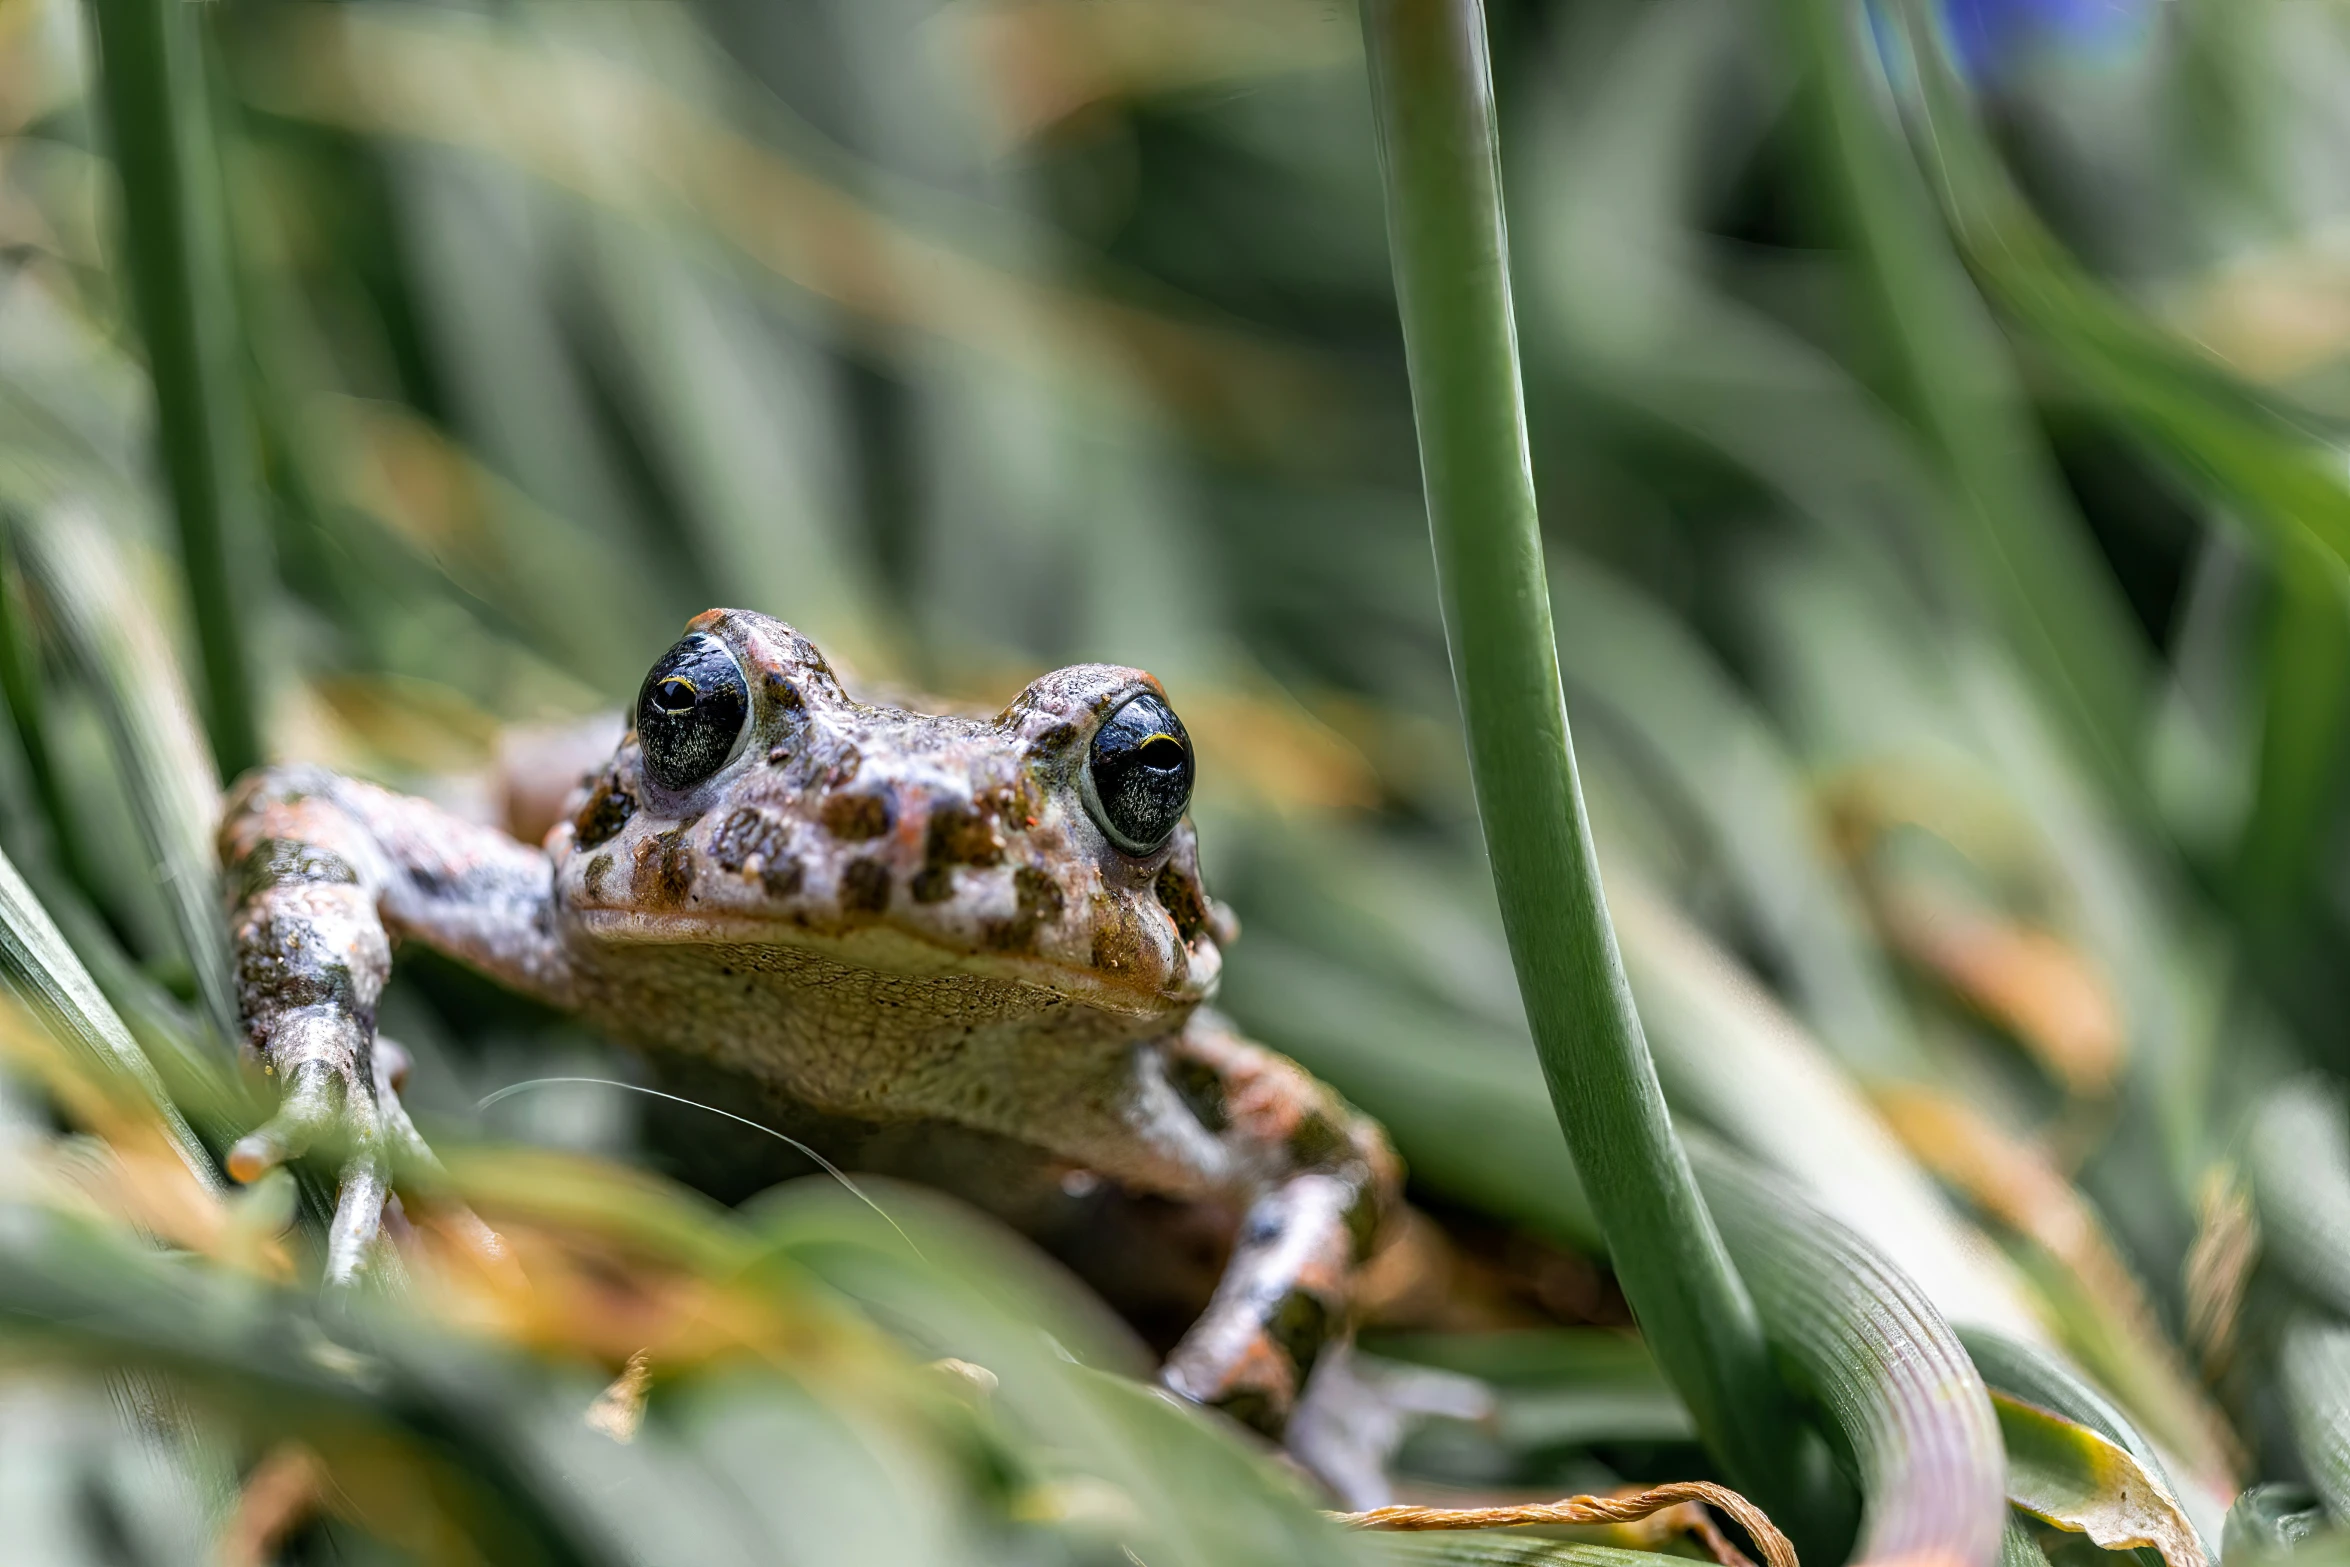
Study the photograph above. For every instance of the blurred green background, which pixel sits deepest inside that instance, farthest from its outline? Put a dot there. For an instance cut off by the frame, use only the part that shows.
(1945, 488)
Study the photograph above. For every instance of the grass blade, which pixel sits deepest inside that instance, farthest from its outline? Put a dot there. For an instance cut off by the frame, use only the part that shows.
(2297, 1157)
(40, 966)
(1890, 1373)
(175, 255)
(1432, 87)
(2313, 1372)
(115, 645)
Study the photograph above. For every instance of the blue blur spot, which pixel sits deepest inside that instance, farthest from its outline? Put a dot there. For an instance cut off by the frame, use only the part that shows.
(1990, 36)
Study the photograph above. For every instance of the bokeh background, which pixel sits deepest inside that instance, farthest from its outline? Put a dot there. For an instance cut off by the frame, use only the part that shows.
(1946, 536)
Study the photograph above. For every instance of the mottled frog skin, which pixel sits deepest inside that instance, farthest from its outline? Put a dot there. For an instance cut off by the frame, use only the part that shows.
(925, 932)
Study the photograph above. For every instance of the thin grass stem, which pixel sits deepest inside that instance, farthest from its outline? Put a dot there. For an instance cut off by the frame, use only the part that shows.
(1432, 88)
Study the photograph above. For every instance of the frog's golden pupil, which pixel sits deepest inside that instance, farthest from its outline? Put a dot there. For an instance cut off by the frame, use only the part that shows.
(675, 695)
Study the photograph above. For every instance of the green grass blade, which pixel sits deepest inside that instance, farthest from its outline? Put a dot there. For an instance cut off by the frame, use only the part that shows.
(1432, 88)
(174, 254)
(2297, 1157)
(2304, 710)
(40, 966)
(2313, 1373)
(114, 644)
(1730, 1058)
(81, 1295)
(2017, 1548)
(20, 687)
(1889, 1372)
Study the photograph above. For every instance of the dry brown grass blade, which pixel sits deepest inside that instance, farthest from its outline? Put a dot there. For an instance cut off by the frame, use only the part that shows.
(283, 1490)
(2030, 982)
(1776, 1548)
(2219, 1267)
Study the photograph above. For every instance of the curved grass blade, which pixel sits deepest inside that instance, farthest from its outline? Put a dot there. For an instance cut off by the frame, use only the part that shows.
(1432, 90)
(175, 251)
(2313, 1373)
(113, 642)
(2297, 1158)
(2084, 1275)
(40, 965)
(2063, 1473)
(1890, 1373)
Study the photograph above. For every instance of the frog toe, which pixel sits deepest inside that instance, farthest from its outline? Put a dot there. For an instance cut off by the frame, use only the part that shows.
(306, 1115)
(359, 1218)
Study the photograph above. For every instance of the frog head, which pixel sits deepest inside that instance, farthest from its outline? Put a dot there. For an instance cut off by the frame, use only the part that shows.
(755, 803)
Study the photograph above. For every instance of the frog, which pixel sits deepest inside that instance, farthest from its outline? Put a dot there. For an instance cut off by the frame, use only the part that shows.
(974, 948)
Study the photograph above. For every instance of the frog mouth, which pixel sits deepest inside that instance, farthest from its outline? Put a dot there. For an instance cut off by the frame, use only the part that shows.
(1121, 972)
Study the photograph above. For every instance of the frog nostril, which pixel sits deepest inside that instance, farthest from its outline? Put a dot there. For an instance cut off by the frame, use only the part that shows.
(784, 694)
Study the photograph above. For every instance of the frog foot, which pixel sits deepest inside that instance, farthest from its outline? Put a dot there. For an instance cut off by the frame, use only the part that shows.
(368, 1129)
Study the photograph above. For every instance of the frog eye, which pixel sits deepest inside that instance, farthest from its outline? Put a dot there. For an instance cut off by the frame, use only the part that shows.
(690, 712)
(1138, 776)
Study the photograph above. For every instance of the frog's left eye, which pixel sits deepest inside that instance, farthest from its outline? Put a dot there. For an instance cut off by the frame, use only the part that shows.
(690, 712)
(1138, 775)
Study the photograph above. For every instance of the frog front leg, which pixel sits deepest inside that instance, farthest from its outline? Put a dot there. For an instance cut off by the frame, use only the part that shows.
(1321, 1181)
(322, 872)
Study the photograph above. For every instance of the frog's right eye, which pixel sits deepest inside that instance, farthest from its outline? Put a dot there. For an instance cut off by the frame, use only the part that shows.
(690, 712)
(1137, 780)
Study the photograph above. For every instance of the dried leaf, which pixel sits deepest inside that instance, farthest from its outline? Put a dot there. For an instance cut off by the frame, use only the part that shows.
(2068, 1475)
